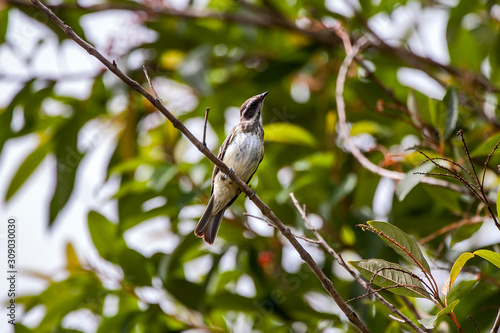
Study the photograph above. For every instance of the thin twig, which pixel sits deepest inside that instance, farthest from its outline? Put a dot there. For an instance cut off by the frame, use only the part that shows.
(453, 175)
(411, 307)
(341, 262)
(266, 211)
(344, 128)
(413, 275)
(150, 84)
(428, 275)
(207, 110)
(447, 160)
(461, 134)
(482, 194)
(397, 285)
(496, 324)
(487, 161)
(269, 223)
(473, 322)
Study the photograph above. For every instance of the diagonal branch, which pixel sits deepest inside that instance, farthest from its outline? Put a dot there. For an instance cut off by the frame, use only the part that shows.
(266, 211)
(342, 263)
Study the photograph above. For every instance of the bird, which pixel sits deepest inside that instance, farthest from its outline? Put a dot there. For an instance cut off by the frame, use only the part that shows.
(242, 151)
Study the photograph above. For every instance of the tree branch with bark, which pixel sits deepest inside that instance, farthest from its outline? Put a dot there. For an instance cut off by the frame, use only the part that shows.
(266, 211)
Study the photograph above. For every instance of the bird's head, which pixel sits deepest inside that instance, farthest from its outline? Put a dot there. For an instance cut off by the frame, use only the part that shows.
(250, 110)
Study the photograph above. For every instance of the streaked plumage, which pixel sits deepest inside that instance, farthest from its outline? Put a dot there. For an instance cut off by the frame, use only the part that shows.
(242, 151)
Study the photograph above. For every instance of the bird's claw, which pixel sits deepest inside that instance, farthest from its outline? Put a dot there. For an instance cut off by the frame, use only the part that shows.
(251, 195)
(225, 176)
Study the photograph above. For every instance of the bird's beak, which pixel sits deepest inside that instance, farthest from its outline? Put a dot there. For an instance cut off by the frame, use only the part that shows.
(263, 95)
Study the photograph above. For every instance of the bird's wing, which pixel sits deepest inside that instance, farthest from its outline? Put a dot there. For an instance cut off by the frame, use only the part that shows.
(222, 152)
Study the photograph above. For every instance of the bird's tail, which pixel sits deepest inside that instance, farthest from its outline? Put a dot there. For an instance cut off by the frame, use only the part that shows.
(209, 224)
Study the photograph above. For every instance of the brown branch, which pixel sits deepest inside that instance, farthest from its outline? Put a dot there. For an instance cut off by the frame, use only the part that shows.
(266, 211)
(342, 263)
(344, 128)
(496, 324)
(150, 84)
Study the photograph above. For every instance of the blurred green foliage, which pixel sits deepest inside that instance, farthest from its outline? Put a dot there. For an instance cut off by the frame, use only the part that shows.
(222, 55)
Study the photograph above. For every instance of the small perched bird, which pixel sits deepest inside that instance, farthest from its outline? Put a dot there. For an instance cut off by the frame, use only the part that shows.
(242, 152)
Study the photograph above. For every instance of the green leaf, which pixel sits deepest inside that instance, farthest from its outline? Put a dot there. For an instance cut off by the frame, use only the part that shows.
(103, 233)
(464, 233)
(398, 237)
(451, 101)
(369, 127)
(83, 290)
(491, 256)
(6, 114)
(455, 270)
(72, 261)
(289, 133)
(412, 179)
(448, 309)
(498, 205)
(4, 20)
(26, 169)
(68, 160)
(486, 147)
(389, 274)
(135, 267)
(430, 322)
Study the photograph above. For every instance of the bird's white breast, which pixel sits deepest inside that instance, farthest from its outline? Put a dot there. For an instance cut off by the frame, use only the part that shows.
(243, 155)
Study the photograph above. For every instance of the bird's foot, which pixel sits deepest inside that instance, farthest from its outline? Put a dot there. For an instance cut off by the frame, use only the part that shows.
(251, 195)
(225, 176)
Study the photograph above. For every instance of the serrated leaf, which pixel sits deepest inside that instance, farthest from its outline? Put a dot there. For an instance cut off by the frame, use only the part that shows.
(455, 270)
(389, 274)
(26, 169)
(451, 101)
(405, 241)
(491, 256)
(289, 133)
(412, 179)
